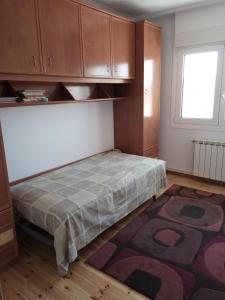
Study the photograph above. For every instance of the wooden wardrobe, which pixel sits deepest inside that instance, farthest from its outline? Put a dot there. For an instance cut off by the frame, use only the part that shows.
(8, 244)
(136, 120)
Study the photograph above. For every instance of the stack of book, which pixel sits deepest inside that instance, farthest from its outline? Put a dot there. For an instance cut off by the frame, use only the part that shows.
(8, 99)
(33, 96)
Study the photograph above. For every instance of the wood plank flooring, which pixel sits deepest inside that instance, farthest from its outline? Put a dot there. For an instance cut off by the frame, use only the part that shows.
(34, 276)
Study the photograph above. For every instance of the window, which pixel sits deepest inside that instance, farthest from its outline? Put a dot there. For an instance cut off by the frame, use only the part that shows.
(199, 88)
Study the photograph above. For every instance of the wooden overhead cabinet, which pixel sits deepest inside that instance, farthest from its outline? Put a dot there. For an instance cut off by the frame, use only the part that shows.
(108, 45)
(19, 50)
(64, 38)
(60, 36)
(96, 43)
(123, 48)
(136, 120)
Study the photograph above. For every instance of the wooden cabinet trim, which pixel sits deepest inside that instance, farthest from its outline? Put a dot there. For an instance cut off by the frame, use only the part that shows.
(103, 10)
(150, 24)
(4, 203)
(111, 45)
(81, 39)
(55, 78)
(6, 218)
(6, 236)
(40, 46)
(7, 226)
(152, 152)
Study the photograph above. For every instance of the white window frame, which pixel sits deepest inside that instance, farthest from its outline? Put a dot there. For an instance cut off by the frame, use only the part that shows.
(177, 119)
(222, 102)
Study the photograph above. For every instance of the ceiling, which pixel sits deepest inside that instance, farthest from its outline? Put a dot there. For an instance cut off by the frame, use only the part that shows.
(139, 8)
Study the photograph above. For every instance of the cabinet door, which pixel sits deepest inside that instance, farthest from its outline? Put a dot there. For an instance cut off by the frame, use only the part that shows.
(152, 66)
(123, 48)
(60, 35)
(4, 183)
(96, 43)
(19, 51)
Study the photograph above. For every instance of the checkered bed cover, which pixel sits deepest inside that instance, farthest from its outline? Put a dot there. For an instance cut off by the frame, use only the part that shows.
(78, 202)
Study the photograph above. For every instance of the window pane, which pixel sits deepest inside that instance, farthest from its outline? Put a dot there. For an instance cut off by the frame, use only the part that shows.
(199, 83)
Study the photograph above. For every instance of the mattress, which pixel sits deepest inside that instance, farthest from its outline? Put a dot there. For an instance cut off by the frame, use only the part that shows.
(78, 202)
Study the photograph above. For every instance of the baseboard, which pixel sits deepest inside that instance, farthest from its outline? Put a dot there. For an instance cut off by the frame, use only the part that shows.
(179, 171)
(188, 175)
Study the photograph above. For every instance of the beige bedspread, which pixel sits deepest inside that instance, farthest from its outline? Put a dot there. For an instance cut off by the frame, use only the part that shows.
(78, 202)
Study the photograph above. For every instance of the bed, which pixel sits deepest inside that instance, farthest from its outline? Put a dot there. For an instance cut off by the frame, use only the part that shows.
(78, 202)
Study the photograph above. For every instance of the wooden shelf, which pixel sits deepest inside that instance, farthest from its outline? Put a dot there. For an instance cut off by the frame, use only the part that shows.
(60, 93)
(102, 99)
(22, 104)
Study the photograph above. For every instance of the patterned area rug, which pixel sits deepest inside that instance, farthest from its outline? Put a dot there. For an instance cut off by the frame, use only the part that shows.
(174, 250)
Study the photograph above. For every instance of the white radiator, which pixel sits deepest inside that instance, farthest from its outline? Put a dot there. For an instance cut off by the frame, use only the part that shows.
(209, 160)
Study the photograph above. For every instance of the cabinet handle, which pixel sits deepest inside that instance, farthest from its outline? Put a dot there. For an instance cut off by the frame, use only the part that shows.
(34, 60)
(146, 91)
(115, 68)
(108, 69)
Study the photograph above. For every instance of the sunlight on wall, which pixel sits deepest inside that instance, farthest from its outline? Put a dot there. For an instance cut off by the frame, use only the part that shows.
(148, 82)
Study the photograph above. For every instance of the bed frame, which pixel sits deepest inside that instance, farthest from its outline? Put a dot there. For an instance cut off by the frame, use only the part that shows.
(38, 233)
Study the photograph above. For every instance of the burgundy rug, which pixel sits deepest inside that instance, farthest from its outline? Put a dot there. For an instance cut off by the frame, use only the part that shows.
(174, 250)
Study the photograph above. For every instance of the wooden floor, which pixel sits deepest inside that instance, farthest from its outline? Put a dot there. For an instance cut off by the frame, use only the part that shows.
(34, 276)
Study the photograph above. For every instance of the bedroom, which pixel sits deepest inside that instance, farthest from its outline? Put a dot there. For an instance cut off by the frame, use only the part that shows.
(97, 100)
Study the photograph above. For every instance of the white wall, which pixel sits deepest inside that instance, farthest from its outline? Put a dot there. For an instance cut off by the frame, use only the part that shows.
(44, 137)
(39, 138)
(176, 143)
(200, 18)
(199, 26)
